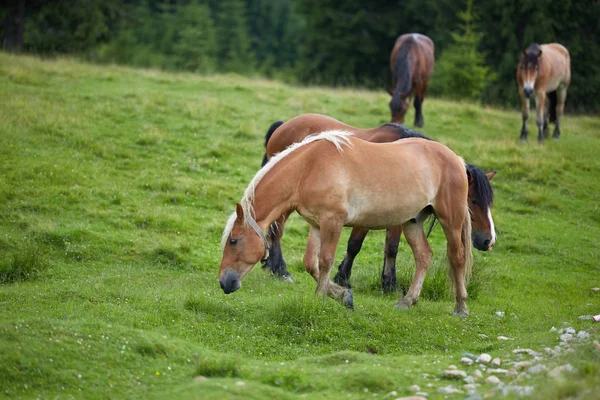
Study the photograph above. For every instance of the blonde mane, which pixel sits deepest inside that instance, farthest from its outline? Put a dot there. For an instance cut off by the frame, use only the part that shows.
(337, 137)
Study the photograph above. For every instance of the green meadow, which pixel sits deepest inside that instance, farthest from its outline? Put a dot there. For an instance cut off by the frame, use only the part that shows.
(115, 186)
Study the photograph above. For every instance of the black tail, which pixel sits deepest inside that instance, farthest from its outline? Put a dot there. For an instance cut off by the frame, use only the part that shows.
(402, 69)
(272, 129)
(552, 97)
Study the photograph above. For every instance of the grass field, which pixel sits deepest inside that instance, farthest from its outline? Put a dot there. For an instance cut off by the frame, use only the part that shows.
(115, 186)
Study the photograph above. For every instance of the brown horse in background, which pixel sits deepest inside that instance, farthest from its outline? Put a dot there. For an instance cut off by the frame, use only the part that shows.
(544, 71)
(334, 180)
(412, 63)
(281, 135)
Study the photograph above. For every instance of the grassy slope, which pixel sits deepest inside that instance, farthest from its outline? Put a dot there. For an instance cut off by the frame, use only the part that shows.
(115, 185)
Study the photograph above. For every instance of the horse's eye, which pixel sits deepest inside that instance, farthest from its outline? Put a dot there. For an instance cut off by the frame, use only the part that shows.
(233, 242)
(474, 202)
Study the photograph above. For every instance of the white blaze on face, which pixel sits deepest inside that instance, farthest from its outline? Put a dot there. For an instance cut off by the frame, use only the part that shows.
(492, 230)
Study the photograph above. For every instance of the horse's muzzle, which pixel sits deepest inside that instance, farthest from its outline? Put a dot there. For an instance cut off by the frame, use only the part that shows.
(482, 242)
(527, 91)
(230, 281)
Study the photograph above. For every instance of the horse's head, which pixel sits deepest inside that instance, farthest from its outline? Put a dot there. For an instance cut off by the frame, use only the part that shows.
(529, 66)
(244, 245)
(398, 107)
(481, 198)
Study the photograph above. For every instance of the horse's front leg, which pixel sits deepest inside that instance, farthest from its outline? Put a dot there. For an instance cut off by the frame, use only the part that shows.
(525, 113)
(355, 242)
(275, 262)
(422, 253)
(540, 101)
(330, 230)
(388, 274)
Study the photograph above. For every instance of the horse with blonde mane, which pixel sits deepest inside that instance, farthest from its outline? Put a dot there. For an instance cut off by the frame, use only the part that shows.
(324, 179)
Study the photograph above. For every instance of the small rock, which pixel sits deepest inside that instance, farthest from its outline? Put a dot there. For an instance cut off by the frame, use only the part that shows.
(470, 386)
(449, 390)
(500, 313)
(558, 371)
(422, 394)
(414, 388)
(504, 338)
(585, 317)
(393, 393)
(566, 337)
(521, 391)
(499, 371)
(470, 379)
(483, 336)
(596, 289)
(469, 355)
(412, 398)
(596, 318)
(454, 374)
(451, 367)
(200, 378)
(526, 351)
(484, 358)
(492, 380)
(240, 383)
(496, 362)
(553, 329)
(477, 374)
(466, 361)
(570, 330)
(522, 364)
(536, 369)
(583, 335)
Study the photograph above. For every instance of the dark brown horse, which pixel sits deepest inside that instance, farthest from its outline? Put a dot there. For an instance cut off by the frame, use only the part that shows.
(544, 72)
(281, 135)
(334, 180)
(411, 62)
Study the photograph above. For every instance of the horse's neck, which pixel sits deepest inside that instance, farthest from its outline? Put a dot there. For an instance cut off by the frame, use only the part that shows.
(274, 196)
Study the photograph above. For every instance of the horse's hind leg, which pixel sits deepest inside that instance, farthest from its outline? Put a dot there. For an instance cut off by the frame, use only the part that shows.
(561, 97)
(413, 232)
(275, 262)
(540, 100)
(355, 242)
(419, 111)
(457, 259)
(330, 230)
(388, 274)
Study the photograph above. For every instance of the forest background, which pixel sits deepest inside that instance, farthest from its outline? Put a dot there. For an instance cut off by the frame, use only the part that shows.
(323, 42)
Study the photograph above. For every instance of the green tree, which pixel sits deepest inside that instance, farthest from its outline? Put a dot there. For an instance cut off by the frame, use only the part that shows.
(233, 44)
(195, 46)
(461, 71)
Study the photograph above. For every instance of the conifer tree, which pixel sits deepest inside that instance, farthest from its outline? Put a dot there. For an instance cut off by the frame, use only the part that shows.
(461, 71)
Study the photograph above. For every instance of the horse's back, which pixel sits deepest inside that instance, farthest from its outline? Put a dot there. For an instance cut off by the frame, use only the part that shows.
(422, 51)
(298, 128)
(558, 61)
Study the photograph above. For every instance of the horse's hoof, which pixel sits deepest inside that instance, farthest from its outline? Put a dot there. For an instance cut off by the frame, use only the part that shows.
(287, 278)
(461, 313)
(555, 138)
(348, 299)
(388, 287)
(523, 140)
(402, 305)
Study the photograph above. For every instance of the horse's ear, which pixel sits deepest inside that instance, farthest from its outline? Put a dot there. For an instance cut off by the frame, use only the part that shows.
(524, 52)
(239, 212)
(539, 52)
(389, 90)
(490, 175)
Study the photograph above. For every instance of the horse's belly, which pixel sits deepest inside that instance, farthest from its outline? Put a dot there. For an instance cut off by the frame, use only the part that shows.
(383, 212)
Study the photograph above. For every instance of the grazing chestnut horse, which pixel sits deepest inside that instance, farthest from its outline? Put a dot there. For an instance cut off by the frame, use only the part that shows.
(281, 135)
(334, 180)
(544, 69)
(411, 62)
